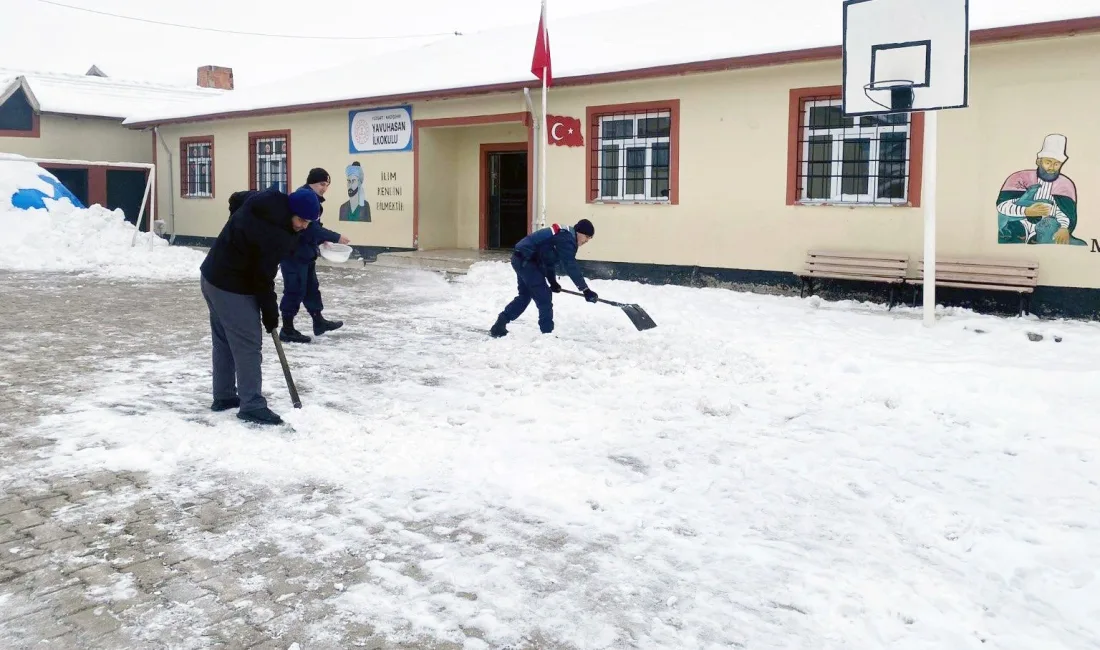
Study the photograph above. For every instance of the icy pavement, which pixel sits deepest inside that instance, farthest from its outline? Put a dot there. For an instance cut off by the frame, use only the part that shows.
(757, 472)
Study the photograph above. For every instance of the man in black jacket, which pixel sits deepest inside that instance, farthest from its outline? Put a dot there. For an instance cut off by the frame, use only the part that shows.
(238, 283)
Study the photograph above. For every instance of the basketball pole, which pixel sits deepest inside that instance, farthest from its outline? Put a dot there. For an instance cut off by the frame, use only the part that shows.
(928, 197)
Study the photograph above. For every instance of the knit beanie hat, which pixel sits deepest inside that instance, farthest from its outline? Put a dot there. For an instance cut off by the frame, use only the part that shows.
(317, 175)
(585, 227)
(304, 204)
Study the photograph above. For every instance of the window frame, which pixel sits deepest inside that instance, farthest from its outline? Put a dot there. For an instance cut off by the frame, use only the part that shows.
(185, 159)
(596, 153)
(36, 117)
(254, 137)
(798, 154)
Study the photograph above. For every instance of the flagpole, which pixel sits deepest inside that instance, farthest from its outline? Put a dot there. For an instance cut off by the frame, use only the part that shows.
(542, 138)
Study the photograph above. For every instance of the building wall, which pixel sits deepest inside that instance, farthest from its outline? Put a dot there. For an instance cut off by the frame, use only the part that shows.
(83, 138)
(320, 139)
(731, 209)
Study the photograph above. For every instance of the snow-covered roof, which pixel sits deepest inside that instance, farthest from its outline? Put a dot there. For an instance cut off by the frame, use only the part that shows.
(625, 39)
(93, 96)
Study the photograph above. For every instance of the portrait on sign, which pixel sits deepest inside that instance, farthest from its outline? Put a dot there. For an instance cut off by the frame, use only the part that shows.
(357, 207)
(1038, 205)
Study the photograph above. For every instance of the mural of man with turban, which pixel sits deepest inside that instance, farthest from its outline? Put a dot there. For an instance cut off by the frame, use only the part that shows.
(1039, 206)
(356, 208)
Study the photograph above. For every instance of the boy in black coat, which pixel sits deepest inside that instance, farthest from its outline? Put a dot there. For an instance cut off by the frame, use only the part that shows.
(238, 283)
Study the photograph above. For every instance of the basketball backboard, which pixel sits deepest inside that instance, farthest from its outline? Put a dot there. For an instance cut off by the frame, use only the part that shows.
(905, 56)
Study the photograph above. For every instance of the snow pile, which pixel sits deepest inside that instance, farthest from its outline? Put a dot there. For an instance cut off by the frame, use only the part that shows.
(757, 472)
(65, 238)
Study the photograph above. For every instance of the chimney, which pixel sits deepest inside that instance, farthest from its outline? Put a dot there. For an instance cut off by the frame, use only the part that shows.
(215, 76)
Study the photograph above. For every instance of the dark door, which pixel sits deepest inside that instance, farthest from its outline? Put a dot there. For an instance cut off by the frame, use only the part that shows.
(75, 179)
(125, 187)
(508, 209)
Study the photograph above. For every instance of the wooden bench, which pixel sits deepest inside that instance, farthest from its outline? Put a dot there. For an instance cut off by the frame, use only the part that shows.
(888, 268)
(982, 273)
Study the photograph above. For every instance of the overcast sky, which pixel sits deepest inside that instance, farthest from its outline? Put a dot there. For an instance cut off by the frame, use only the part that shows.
(42, 36)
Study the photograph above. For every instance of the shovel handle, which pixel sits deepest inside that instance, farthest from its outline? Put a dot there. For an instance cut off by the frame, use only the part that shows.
(606, 302)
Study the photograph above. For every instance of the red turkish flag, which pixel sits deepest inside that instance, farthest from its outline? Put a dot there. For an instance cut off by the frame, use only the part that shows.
(564, 131)
(540, 59)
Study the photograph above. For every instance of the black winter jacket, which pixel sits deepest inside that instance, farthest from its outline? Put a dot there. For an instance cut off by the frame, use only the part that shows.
(245, 257)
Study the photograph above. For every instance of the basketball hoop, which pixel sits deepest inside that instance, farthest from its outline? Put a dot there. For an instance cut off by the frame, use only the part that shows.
(901, 93)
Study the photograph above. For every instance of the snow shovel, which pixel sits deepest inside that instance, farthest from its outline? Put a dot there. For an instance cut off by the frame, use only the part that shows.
(634, 312)
(286, 370)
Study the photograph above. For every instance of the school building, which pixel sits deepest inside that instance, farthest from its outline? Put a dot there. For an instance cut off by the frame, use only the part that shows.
(707, 151)
(78, 118)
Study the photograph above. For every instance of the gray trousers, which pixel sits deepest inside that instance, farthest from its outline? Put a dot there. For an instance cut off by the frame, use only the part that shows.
(238, 337)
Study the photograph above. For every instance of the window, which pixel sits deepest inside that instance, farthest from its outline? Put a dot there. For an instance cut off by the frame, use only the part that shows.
(18, 117)
(633, 152)
(865, 160)
(269, 159)
(197, 167)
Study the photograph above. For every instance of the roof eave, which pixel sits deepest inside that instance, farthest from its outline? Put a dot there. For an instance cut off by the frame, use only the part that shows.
(17, 83)
(1048, 29)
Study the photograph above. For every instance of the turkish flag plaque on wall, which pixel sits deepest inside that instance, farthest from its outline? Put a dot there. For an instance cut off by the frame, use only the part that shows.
(564, 131)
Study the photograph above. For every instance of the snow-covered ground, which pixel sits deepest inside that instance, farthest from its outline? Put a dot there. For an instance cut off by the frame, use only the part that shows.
(757, 472)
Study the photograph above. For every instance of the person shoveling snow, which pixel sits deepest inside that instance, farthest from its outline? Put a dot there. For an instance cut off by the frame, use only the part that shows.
(534, 259)
(238, 283)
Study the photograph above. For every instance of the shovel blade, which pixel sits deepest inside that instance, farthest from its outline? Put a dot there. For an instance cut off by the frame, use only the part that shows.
(639, 317)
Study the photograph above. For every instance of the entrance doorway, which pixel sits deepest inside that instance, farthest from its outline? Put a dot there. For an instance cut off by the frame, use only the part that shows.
(505, 208)
(125, 189)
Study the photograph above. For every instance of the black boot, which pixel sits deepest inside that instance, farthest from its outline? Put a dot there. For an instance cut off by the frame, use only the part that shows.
(260, 416)
(320, 325)
(498, 330)
(290, 335)
(225, 404)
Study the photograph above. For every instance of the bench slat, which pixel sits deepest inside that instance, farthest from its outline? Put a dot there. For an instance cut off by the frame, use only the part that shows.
(987, 262)
(862, 270)
(984, 279)
(860, 264)
(896, 279)
(970, 285)
(984, 270)
(860, 255)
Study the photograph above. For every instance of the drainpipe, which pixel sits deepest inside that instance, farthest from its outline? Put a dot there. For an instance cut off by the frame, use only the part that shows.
(171, 187)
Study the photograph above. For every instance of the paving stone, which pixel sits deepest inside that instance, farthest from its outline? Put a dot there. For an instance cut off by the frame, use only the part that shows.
(36, 628)
(69, 601)
(19, 603)
(93, 622)
(47, 532)
(282, 586)
(9, 536)
(258, 609)
(198, 569)
(103, 479)
(117, 640)
(171, 556)
(227, 587)
(181, 591)
(29, 564)
(213, 609)
(10, 505)
(74, 490)
(98, 574)
(236, 634)
(150, 574)
(52, 504)
(24, 518)
(70, 547)
(47, 580)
